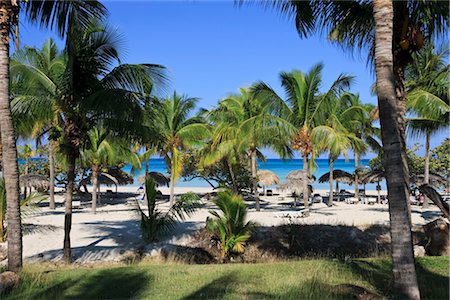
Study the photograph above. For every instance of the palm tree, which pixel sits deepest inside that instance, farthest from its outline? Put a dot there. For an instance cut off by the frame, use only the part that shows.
(97, 152)
(405, 279)
(49, 63)
(428, 96)
(332, 134)
(47, 13)
(301, 109)
(92, 93)
(359, 121)
(246, 124)
(353, 24)
(178, 132)
(101, 150)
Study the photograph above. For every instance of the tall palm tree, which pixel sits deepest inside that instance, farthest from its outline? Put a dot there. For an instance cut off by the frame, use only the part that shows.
(178, 132)
(101, 150)
(333, 134)
(246, 124)
(54, 14)
(405, 279)
(49, 63)
(92, 92)
(302, 106)
(428, 96)
(359, 121)
(353, 24)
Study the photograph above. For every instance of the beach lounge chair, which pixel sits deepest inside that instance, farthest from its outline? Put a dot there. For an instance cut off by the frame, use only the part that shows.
(292, 214)
(76, 203)
(352, 200)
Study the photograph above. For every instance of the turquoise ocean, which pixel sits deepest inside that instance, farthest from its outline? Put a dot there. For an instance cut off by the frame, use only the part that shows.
(278, 166)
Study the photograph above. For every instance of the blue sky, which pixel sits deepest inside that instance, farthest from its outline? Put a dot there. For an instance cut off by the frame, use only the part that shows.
(212, 48)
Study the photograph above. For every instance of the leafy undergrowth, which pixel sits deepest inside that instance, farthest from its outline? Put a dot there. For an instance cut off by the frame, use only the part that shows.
(303, 279)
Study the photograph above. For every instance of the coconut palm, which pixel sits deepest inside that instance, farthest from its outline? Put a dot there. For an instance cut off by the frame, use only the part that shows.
(49, 63)
(359, 121)
(428, 96)
(353, 25)
(302, 106)
(332, 135)
(101, 150)
(246, 124)
(178, 132)
(53, 14)
(92, 91)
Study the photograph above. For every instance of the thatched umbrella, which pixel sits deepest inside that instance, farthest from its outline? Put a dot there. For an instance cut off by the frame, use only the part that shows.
(103, 178)
(267, 177)
(338, 176)
(434, 179)
(38, 182)
(159, 178)
(372, 177)
(294, 187)
(297, 175)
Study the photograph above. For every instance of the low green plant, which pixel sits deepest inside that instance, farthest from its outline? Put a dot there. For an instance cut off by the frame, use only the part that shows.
(231, 227)
(154, 223)
(27, 206)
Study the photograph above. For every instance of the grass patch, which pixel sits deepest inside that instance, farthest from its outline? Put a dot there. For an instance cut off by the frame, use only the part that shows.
(303, 279)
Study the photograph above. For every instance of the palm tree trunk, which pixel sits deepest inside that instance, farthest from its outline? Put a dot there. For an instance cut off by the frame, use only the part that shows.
(330, 199)
(94, 187)
(146, 163)
(233, 178)
(356, 175)
(305, 181)
(51, 162)
(68, 207)
(9, 150)
(172, 186)
(404, 273)
(254, 179)
(427, 164)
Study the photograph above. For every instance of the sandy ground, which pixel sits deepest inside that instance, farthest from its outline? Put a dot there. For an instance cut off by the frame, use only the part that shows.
(106, 235)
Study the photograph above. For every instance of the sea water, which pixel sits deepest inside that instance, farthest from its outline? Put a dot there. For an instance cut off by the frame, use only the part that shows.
(278, 166)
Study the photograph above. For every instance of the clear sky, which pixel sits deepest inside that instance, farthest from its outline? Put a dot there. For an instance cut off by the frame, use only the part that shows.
(212, 48)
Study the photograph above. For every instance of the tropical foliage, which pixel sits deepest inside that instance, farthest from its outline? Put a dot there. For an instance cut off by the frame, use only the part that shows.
(155, 223)
(230, 226)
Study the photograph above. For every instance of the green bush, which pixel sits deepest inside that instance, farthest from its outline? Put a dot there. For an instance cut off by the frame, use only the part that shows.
(231, 227)
(155, 223)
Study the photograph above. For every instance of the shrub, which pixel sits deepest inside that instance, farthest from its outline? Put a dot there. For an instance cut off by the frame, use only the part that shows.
(155, 222)
(230, 227)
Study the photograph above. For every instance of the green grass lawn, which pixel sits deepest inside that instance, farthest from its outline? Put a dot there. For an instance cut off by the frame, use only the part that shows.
(304, 279)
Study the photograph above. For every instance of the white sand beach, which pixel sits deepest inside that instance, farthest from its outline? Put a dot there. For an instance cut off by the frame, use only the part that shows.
(106, 235)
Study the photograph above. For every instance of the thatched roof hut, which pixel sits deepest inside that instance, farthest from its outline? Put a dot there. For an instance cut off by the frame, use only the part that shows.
(435, 180)
(372, 177)
(339, 176)
(293, 187)
(38, 182)
(159, 178)
(267, 177)
(297, 175)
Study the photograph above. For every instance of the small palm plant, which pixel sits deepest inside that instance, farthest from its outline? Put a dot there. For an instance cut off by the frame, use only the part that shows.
(27, 207)
(230, 226)
(156, 222)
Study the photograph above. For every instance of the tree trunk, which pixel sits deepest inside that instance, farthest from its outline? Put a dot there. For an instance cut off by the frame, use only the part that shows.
(9, 151)
(305, 181)
(356, 183)
(51, 162)
(254, 179)
(404, 273)
(233, 178)
(146, 163)
(330, 199)
(94, 180)
(427, 165)
(172, 186)
(68, 207)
